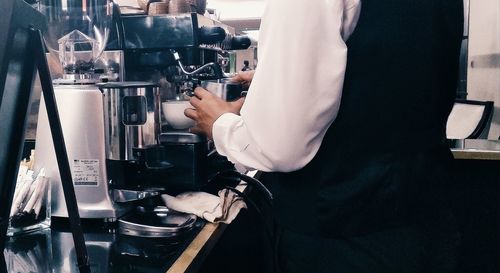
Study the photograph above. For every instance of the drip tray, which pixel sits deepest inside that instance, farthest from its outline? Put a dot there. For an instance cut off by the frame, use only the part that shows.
(159, 222)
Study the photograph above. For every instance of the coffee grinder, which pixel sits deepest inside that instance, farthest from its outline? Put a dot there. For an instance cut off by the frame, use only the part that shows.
(77, 34)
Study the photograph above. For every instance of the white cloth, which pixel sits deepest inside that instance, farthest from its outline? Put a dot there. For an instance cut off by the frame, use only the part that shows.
(223, 208)
(295, 93)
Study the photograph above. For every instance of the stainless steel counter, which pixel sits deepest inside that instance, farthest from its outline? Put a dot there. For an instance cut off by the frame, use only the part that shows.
(475, 149)
(52, 250)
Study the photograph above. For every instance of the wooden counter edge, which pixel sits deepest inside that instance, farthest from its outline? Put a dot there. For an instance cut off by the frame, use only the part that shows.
(476, 154)
(198, 249)
(191, 259)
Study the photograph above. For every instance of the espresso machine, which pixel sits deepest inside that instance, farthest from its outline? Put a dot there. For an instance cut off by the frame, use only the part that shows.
(179, 52)
(176, 53)
(116, 71)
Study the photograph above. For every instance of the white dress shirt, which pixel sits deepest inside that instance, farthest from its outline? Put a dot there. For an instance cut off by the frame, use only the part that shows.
(295, 93)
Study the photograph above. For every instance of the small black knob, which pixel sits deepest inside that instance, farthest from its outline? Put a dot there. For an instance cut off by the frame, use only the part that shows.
(240, 42)
(211, 35)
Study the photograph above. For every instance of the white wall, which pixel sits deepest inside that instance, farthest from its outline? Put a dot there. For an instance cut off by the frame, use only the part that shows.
(483, 78)
(242, 55)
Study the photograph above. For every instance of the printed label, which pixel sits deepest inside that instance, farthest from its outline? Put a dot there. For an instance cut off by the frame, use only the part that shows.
(86, 172)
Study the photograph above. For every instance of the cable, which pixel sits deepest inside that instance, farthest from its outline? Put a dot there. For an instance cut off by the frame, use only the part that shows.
(258, 211)
(252, 181)
(260, 188)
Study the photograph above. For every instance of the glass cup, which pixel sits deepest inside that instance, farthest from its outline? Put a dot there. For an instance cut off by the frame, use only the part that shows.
(31, 203)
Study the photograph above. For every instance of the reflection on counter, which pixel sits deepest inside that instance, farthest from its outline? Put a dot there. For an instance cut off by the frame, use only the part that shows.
(29, 253)
(53, 251)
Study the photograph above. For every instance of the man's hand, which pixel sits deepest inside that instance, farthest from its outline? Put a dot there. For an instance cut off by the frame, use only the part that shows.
(244, 77)
(207, 109)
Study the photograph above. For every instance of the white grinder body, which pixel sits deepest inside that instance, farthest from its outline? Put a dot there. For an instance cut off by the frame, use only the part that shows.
(82, 119)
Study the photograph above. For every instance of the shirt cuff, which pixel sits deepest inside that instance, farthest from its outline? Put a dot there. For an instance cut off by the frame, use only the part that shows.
(222, 130)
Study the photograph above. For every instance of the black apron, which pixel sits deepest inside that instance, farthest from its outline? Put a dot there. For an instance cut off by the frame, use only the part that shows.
(372, 199)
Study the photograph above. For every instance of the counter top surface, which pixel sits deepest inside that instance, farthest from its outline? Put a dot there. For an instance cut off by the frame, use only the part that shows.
(52, 250)
(475, 149)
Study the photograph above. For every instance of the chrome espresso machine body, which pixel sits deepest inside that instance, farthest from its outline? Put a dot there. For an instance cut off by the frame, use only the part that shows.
(128, 153)
(171, 49)
(177, 53)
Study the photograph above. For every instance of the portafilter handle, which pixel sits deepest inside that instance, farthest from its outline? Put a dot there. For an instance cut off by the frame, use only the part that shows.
(124, 196)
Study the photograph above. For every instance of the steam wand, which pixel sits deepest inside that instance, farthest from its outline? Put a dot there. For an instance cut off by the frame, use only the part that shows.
(218, 73)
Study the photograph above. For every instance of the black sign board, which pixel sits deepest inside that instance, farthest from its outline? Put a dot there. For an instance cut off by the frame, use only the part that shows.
(17, 72)
(22, 54)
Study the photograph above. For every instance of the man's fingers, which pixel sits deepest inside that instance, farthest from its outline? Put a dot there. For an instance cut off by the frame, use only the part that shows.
(196, 130)
(199, 131)
(237, 79)
(236, 105)
(191, 113)
(239, 102)
(201, 93)
(195, 102)
(243, 77)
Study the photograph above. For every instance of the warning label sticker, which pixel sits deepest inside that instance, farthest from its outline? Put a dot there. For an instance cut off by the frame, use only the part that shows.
(86, 172)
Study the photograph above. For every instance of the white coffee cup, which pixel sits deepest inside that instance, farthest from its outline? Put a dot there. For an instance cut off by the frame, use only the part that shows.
(173, 112)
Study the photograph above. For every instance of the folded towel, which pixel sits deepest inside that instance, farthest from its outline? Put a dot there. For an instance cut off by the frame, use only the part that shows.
(223, 208)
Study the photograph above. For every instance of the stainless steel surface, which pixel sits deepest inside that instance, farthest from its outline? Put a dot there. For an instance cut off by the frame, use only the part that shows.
(180, 6)
(111, 62)
(166, 31)
(224, 89)
(475, 149)
(475, 144)
(131, 116)
(161, 222)
(122, 196)
(149, 39)
(81, 113)
(181, 137)
(52, 251)
(183, 6)
(99, 245)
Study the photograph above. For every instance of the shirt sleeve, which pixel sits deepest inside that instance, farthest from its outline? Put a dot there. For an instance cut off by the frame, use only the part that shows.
(296, 90)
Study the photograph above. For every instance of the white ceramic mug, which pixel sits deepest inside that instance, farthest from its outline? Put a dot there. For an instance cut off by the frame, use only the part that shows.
(173, 112)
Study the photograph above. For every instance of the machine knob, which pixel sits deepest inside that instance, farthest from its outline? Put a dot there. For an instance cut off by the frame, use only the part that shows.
(236, 42)
(240, 42)
(211, 35)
